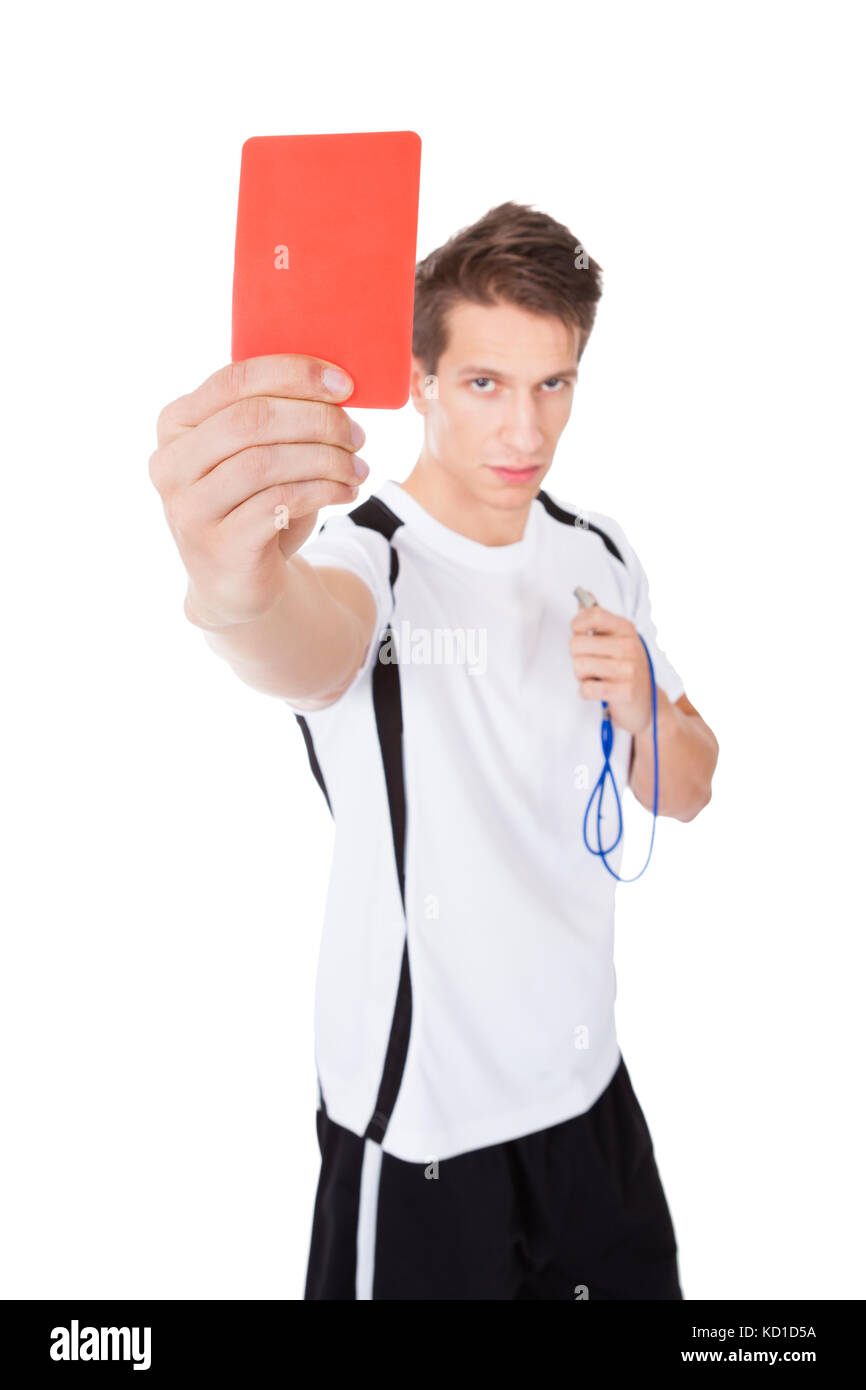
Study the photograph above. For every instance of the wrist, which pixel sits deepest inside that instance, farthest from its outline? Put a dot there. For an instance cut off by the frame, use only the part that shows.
(211, 618)
(666, 717)
(200, 614)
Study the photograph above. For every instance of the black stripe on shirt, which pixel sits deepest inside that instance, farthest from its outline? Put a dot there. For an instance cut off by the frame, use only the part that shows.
(388, 709)
(572, 519)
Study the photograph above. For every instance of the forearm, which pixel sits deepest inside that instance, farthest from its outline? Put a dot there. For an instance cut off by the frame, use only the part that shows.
(688, 753)
(306, 646)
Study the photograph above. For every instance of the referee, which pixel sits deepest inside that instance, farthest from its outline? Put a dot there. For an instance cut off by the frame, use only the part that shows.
(479, 1134)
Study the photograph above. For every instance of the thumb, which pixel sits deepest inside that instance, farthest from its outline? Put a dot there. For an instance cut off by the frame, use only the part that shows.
(292, 536)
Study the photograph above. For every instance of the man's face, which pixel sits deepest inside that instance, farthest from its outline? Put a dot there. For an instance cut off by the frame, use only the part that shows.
(500, 400)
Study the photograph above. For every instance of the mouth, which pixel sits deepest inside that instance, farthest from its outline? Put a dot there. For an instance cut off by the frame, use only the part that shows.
(515, 475)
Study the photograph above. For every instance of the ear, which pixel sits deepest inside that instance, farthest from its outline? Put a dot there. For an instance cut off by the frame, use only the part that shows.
(423, 388)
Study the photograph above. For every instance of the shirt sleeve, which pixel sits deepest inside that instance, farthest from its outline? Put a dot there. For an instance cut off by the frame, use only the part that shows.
(340, 544)
(639, 609)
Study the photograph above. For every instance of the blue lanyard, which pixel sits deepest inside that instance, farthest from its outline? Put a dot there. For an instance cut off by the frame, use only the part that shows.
(607, 771)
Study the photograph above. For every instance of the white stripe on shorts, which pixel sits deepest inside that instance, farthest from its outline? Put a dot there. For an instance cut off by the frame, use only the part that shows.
(371, 1168)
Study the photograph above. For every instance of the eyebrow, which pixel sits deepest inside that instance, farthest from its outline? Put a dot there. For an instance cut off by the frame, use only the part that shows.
(568, 373)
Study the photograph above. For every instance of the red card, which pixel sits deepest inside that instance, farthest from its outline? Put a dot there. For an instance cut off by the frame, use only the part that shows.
(325, 255)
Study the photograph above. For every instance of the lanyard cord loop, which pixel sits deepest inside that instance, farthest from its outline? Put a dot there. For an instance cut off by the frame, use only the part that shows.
(607, 771)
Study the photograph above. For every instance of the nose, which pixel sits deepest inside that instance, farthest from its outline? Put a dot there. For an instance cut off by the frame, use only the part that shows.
(521, 430)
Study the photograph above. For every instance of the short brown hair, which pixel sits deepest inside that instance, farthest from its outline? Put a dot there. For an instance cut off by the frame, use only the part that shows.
(512, 254)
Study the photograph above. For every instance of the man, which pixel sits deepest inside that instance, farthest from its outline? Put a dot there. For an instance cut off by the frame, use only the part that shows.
(479, 1134)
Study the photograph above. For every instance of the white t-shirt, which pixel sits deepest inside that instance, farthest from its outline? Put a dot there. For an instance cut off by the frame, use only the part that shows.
(482, 1009)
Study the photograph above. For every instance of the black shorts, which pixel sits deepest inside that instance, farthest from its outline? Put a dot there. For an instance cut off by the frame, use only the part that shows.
(573, 1211)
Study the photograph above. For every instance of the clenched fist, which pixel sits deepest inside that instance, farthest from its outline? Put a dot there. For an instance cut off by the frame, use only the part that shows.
(243, 465)
(610, 664)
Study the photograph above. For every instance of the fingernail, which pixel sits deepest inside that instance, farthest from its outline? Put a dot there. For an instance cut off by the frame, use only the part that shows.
(337, 382)
(361, 468)
(354, 492)
(358, 435)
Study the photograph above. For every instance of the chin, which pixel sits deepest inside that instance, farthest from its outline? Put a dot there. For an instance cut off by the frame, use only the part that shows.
(513, 495)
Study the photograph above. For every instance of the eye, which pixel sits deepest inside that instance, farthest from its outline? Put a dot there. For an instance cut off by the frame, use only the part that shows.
(482, 378)
(558, 379)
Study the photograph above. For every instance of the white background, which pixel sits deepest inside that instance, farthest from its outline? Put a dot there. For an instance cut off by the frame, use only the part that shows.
(166, 847)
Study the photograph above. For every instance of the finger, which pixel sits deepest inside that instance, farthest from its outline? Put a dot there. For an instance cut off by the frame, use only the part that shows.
(598, 690)
(601, 621)
(251, 471)
(258, 519)
(604, 668)
(282, 374)
(256, 420)
(584, 643)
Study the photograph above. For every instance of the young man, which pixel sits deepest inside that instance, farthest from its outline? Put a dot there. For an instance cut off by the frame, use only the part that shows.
(479, 1133)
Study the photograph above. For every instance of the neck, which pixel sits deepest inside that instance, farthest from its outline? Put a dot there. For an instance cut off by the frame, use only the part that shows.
(450, 501)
